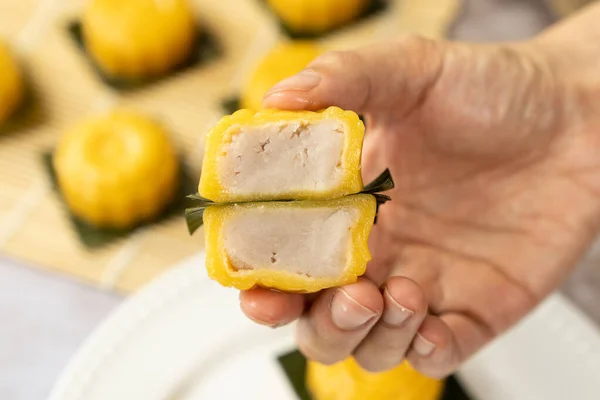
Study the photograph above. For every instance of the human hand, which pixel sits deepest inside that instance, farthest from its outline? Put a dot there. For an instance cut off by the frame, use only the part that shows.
(495, 157)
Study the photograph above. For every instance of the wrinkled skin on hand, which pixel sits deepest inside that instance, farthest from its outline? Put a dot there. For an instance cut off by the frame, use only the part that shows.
(495, 157)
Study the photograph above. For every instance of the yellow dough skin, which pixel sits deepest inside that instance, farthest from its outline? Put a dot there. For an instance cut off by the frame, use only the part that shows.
(117, 170)
(346, 380)
(11, 84)
(220, 269)
(283, 61)
(211, 188)
(139, 38)
(317, 16)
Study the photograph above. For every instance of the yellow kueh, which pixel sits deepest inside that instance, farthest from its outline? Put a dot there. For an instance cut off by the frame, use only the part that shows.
(139, 38)
(281, 199)
(11, 83)
(317, 16)
(283, 61)
(283, 155)
(249, 244)
(346, 380)
(117, 170)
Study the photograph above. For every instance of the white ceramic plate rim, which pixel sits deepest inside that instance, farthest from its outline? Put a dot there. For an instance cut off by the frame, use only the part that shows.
(554, 347)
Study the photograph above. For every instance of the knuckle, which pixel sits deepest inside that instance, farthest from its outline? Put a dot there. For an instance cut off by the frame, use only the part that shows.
(380, 354)
(336, 59)
(320, 354)
(368, 363)
(373, 363)
(320, 347)
(413, 40)
(393, 352)
(398, 347)
(435, 372)
(426, 54)
(437, 367)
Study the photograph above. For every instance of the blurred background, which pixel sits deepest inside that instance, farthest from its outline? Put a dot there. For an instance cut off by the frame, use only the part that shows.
(70, 251)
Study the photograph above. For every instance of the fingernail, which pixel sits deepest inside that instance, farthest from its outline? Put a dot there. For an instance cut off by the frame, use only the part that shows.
(301, 82)
(422, 346)
(347, 313)
(394, 313)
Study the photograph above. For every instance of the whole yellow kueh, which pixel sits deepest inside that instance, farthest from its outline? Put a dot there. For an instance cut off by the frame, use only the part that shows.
(117, 170)
(283, 61)
(11, 83)
(139, 38)
(317, 16)
(346, 380)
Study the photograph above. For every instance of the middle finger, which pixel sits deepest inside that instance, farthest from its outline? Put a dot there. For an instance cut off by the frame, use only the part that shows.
(388, 342)
(339, 320)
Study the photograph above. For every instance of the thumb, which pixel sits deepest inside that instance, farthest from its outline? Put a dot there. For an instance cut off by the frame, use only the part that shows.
(364, 80)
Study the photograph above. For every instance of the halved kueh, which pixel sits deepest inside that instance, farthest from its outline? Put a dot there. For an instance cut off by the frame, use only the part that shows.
(294, 246)
(283, 155)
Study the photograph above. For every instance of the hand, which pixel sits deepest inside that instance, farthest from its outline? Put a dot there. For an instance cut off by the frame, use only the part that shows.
(495, 156)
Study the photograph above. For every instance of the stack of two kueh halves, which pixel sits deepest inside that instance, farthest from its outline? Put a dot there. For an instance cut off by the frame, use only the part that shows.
(282, 200)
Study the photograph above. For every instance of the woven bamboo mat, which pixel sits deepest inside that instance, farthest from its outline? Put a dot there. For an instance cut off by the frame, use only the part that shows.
(563, 8)
(33, 224)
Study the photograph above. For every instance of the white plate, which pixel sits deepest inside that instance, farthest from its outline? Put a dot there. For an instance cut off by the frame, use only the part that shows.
(184, 338)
